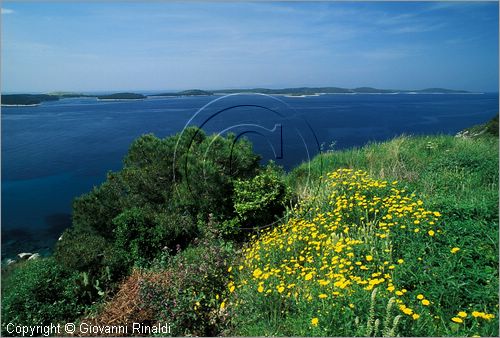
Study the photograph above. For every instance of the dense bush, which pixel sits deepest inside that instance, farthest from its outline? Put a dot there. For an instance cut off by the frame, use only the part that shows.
(259, 201)
(98, 263)
(142, 234)
(39, 292)
(191, 297)
(80, 250)
(154, 202)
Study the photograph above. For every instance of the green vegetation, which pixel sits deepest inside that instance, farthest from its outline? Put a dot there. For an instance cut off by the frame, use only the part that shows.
(488, 128)
(26, 99)
(190, 92)
(121, 96)
(39, 291)
(394, 238)
(32, 99)
(446, 253)
(67, 95)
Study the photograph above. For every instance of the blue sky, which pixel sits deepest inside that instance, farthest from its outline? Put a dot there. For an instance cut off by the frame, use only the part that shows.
(172, 46)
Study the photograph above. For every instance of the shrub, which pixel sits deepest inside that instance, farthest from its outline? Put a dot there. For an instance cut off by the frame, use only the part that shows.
(80, 250)
(39, 292)
(189, 294)
(142, 234)
(98, 264)
(260, 200)
(94, 211)
(179, 178)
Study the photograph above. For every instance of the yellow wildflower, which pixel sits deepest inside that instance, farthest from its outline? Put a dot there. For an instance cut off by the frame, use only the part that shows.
(314, 321)
(457, 320)
(455, 250)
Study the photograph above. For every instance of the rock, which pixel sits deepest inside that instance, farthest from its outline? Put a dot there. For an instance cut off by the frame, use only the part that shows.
(34, 256)
(24, 255)
(10, 261)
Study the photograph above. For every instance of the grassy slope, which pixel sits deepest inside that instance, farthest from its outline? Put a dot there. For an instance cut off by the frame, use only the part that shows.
(454, 175)
(458, 176)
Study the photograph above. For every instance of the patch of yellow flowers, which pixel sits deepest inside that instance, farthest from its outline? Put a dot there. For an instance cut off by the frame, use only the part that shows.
(331, 251)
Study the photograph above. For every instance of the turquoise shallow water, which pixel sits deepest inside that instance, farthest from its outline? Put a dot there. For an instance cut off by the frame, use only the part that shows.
(58, 150)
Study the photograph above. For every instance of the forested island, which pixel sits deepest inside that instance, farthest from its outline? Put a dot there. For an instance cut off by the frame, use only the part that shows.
(36, 99)
(122, 96)
(190, 92)
(26, 99)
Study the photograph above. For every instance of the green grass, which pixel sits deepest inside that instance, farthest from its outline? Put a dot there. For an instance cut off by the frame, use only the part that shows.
(455, 176)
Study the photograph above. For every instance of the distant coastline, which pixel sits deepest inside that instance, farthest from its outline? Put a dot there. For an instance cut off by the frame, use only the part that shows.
(18, 100)
(99, 99)
(21, 105)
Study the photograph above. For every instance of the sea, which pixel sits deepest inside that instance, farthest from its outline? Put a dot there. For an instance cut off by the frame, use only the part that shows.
(56, 151)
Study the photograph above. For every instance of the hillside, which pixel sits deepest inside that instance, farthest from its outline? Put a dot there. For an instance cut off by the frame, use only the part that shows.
(393, 238)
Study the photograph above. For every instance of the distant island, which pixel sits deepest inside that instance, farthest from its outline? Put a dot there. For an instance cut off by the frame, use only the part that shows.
(68, 95)
(301, 91)
(35, 99)
(190, 92)
(122, 96)
(26, 99)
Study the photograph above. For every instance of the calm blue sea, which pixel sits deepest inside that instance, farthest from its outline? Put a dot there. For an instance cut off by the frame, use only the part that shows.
(58, 150)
